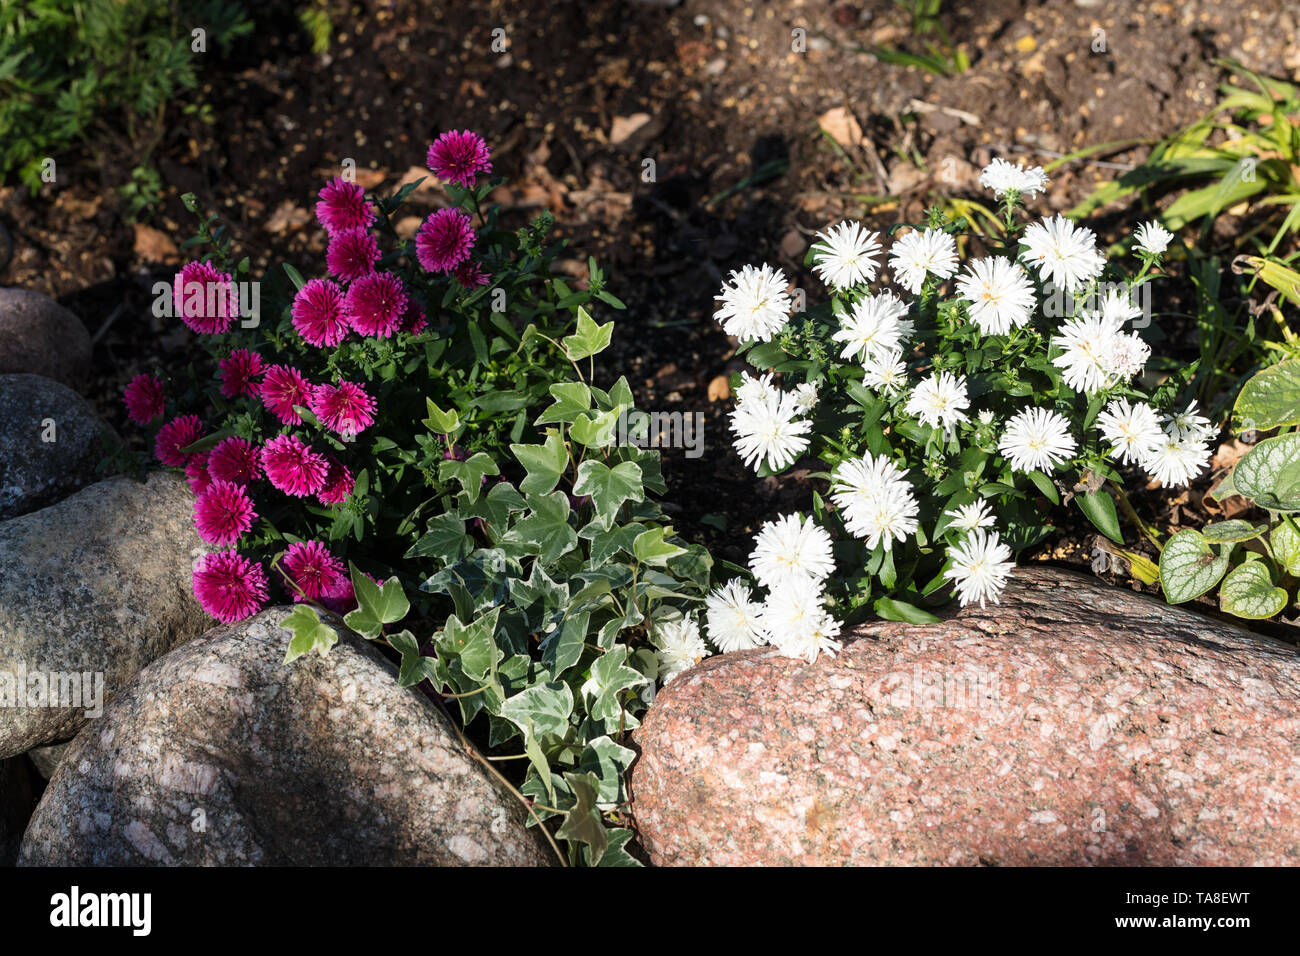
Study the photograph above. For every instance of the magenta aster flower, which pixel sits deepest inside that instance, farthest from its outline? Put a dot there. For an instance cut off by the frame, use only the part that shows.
(238, 372)
(235, 459)
(351, 254)
(445, 240)
(283, 388)
(343, 206)
(318, 313)
(223, 512)
(414, 321)
(144, 399)
(345, 408)
(470, 274)
(338, 484)
(205, 299)
(375, 304)
(292, 467)
(175, 435)
(229, 586)
(196, 473)
(459, 157)
(315, 571)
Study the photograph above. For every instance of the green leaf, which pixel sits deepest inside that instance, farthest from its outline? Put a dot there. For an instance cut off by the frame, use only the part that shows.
(541, 709)
(583, 823)
(544, 463)
(562, 648)
(1140, 566)
(309, 633)
(1189, 566)
(1270, 473)
(545, 531)
(571, 400)
(414, 667)
(445, 539)
(609, 487)
(1271, 399)
(1044, 484)
(444, 423)
(1248, 592)
(589, 338)
(607, 761)
(1284, 541)
(894, 610)
(594, 431)
(473, 644)
(1227, 532)
(470, 473)
(651, 548)
(614, 855)
(610, 678)
(377, 605)
(1099, 507)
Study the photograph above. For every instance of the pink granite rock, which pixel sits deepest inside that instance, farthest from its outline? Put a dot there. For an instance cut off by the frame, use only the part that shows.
(1075, 724)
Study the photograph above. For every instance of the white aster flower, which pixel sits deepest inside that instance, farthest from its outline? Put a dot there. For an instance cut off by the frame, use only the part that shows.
(679, 647)
(1036, 439)
(1064, 254)
(1127, 356)
(1176, 461)
(755, 304)
(845, 256)
(734, 618)
(791, 549)
(981, 564)
(885, 372)
(1003, 177)
(1133, 429)
(939, 400)
(1119, 307)
(796, 621)
(971, 517)
(768, 428)
(1190, 424)
(875, 499)
(755, 389)
(1088, 344)
(1000, 294)
(805, 396)
(874, 325)
(1153, 238)
(919, 254)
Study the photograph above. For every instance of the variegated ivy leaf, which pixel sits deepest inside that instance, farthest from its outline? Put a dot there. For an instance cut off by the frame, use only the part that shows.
(583, 823)
(651, 548)
(309, 633)
(1248, 592)
(609, 487)
(470, 473)
(377, 605)
(589, 338)
(545, 464)
(571, 400)
(414, 666)
(607, 762)
(545, 530)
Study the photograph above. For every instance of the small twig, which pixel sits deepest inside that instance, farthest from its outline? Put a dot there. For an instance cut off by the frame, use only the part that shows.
(112, 317)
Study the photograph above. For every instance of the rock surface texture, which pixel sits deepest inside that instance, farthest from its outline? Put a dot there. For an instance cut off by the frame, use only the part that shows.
(41, 337)
(91, 590)
(50, 443)
(1074, 724)
(221, 754)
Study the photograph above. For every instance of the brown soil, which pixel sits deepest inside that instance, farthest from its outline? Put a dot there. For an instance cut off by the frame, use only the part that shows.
(723, 94)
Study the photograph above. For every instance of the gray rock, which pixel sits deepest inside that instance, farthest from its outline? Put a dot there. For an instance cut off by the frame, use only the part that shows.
(47, 759)
(91, 590)
(39, 336)
(17, 801)
(50, 443)
(219, 753)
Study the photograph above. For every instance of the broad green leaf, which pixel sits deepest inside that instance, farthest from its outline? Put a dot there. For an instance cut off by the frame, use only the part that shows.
(545, 531)
(1270, 473)
(473, 644)
(541, 709)
(614, 854)
(594, 430)
(1141, 567)
(894, 610)
(544, 464)
(1226, 532)
(1248, 592)
(444, 423)
(1099, 507)
(445, 539)
(607, 761)
(609, 487)
(1044, 484)
(589, 338)
(610, 678)
(651, 548)
(309, 633)
(377, 605)
(583, 823)
(470, 473)
(414, 667)
(1271, 399)
(1284, 540)
(571, 400)
(562, 648)
(1189, 566)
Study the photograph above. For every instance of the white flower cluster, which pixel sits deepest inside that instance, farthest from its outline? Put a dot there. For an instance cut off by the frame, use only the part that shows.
(877, 502)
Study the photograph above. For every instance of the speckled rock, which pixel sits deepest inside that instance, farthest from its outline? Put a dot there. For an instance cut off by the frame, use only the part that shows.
(221, 754)
(50, 443)
(41, 337)
(1075, 724)
(47, 759)
(91, 590)
(17, 800)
